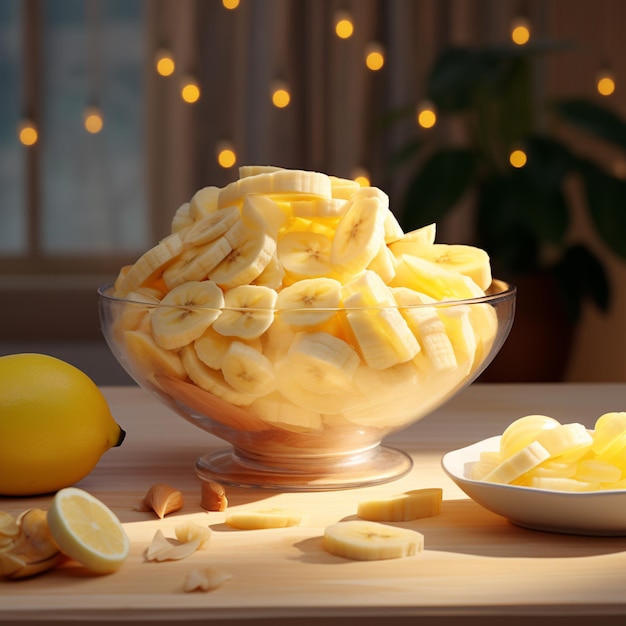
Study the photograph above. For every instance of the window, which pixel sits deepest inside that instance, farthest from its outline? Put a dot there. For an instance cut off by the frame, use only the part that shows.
(75, 198)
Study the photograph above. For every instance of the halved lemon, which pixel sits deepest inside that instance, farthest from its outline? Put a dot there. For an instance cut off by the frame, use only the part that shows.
(87, 531)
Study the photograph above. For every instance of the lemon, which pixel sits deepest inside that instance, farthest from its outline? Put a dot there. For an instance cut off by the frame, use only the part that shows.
(55, 424)
(86, 530)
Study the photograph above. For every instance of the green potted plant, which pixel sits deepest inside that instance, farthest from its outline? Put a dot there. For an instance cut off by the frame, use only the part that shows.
(523, 215)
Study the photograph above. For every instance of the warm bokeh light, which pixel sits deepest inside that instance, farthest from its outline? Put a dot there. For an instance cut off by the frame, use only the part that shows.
(426, 115)
(374, 57)
(520, 31)
(92, 119)
(190, 91)
(230, 4)
(605, 83)
(280, 95)
(517, 158)
(361, 176)
(164, 62)
(226, 155)
(344, 26)
(27, 133)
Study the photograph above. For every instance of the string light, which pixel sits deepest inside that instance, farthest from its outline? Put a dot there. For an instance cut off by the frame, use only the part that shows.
(27, 133)
(230, 4)
(92, 120)
(190, 90)
(344, 25)
(226, 155)
(518, 158)
(605, 82)
(164, 62)
(520, 31)
(361, 176)
(280, 94)
(374, 57)
(426, 115)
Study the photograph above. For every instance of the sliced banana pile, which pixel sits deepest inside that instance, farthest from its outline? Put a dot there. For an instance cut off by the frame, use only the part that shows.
(538, 451)
(26, 545)
(294, 294)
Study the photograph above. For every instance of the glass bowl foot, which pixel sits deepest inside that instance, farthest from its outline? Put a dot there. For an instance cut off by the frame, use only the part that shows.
(378, 465)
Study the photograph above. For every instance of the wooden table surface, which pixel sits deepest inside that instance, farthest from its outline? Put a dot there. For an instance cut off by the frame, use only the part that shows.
(476, 568)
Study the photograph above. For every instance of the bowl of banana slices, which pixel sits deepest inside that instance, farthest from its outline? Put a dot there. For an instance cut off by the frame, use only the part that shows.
(289, 315)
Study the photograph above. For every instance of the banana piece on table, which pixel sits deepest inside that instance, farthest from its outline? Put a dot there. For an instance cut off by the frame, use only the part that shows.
(257, 519)
(185, 313)
(371, 541)
(248, 312)
(151, 264)
(403, 507)
(358, 236)
(310, 301)
(247, 370)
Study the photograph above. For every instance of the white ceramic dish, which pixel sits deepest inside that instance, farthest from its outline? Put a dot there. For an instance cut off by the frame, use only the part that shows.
(587, 513)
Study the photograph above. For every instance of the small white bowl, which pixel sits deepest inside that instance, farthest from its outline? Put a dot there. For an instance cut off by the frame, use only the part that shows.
(601, 513)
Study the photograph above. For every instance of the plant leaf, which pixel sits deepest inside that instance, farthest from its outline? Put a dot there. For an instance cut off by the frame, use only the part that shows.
(606, 200)
(436, 187)
(593, 119)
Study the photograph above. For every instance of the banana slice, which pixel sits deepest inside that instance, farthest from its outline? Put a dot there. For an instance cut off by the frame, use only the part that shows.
(566, 440)
(382, 334)
(151, 264)
(393, 230)
(322, 362)
(211, 226)
(185, 313)
(263, 213)
(146, 356)
(359, 235)
(430, 278)
(273, 275)
(182, 219)
(521, 462)
(404, 507)
(211, 348)
(247, 370)
(609, 435)
(423, 235)
(253, 170)
(597, 471)
(523, 431)
(211, 380)
(203, 202)
(319, 207)
(248, 312)
(309, 301)
(468, 260)
(248, 258)
(384, 264)
(257, 519)
(371, 541)
(275, 182)
(275, 409)
(343, 188)
(195, 263)
(305, 254)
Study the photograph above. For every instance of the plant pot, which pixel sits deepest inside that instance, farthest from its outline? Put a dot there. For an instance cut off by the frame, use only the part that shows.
(539, 345)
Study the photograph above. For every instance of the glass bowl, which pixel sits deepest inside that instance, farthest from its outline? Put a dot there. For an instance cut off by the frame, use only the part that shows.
(307, 407)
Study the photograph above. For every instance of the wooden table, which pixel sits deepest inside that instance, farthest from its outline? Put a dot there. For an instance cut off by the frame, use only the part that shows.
(477, 567)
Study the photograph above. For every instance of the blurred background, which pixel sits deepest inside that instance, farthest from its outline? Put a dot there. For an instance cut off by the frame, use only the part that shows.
(501, 120)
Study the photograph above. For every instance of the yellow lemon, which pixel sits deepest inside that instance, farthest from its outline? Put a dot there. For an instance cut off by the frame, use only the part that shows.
(86, 530)
(55, 424)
